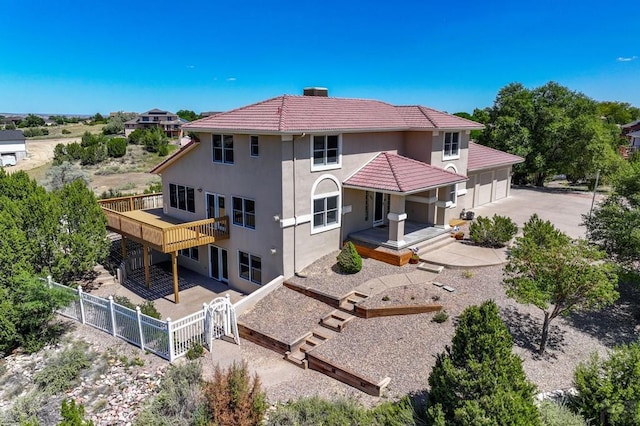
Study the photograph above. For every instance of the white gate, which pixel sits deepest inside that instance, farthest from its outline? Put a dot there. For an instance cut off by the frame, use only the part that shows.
(220, 321)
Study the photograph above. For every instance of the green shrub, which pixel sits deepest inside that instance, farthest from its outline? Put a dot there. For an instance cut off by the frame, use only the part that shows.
(116, 147)
(35, 131)
(24, 411)
(609, 389)
(147, 307)
(66, 131)
(349, 260)
(63, 369)
(492, 232)
(440, 317)
(479, 380)
(179, 401)
(72, 414)
(232, 398)
(195, 351)
(553, 414)
(316, 411)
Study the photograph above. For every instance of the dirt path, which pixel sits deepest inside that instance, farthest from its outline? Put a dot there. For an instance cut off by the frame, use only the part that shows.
(39, 153)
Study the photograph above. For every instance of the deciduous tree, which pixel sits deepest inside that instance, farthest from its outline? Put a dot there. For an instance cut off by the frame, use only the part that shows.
(556, 274)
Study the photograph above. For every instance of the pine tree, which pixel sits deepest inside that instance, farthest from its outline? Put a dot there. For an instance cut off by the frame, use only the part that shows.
(479, 380)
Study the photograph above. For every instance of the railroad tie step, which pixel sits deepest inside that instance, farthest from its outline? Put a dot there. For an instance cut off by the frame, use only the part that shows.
(298, 358)
(336, 320)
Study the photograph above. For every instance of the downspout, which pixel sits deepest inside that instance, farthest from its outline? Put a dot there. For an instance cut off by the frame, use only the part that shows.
(295, 225)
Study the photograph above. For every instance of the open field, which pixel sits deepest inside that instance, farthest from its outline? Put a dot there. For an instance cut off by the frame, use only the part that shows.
(129, 174)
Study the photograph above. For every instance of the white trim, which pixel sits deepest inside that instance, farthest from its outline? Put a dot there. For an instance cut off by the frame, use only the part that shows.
(456, 156)
(322, 167)
(250, 146)
(462, 191)
(249, 280)
(255, 214)
(248, 301)
(397, 217)
(421, 200)
(303, 219)
(285, 223)
(325, 195)
(454, 191)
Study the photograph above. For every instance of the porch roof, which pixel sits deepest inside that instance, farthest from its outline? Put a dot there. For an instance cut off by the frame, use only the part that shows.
(395, 173)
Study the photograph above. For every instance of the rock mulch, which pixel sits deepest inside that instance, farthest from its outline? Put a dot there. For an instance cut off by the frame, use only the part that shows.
(404, 347)
(113, 390)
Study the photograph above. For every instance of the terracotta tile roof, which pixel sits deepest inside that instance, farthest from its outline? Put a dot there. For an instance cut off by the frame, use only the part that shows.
(175, 156)
(290, 114)
(420, 117)
(391, 172)
(483, 157)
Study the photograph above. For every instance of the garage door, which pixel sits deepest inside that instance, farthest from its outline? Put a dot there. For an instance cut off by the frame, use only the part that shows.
(471, 185)
(502, 181)
(484, 190)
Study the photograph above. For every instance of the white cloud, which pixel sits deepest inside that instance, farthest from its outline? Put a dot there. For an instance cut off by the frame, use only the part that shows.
(191, 67)
(627, 59)
(231, 79)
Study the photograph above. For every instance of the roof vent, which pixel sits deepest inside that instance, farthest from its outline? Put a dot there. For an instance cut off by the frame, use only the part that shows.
(316, 91)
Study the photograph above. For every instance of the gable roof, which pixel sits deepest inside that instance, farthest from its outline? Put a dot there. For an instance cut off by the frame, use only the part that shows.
(11, 135)
(483, 157)
(395, 173)
(176, 155)
(633, 123)
(296, 114)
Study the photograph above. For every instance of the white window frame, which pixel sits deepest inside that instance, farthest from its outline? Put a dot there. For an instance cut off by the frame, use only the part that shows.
(251, 267)
(314, 197)
(223, 149)
(245, 214)
(450, 155)
(325, 165)
(252, 145)
(452, 199)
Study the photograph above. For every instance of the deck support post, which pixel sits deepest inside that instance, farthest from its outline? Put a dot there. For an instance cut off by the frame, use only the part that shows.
(145, 260)
(123, 245)
(174, 268)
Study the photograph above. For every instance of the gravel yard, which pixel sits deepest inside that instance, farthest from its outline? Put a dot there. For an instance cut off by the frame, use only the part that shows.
(404, 347)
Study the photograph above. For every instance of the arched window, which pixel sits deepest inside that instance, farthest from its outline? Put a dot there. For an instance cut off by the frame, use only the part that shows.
(452, 199)
(326, 204)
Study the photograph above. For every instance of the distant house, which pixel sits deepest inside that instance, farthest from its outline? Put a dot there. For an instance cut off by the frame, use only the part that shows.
(631, 131)
(13, 146)
(169, 122)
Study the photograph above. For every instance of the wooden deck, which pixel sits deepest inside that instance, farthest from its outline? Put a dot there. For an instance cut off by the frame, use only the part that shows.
(142, 219)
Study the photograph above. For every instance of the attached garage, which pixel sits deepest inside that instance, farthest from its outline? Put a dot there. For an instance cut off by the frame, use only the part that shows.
(489, 172)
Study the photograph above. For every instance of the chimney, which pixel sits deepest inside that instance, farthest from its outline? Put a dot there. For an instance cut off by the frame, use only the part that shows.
(316, 91)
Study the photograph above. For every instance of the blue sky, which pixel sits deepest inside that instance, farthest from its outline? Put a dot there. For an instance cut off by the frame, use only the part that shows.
(208, 55)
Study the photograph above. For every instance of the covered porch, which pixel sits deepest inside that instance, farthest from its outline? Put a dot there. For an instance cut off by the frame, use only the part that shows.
(412, 201)
(141, 218)
(415, 233)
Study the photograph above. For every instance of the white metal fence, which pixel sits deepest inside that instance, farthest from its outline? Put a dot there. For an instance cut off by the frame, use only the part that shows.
(167, 339)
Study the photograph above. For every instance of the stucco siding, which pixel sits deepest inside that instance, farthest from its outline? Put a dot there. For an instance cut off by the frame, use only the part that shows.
(418, 145)
(254, 178)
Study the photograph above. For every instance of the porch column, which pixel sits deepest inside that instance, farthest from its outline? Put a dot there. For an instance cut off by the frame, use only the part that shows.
(123, 246)
(145, 260)
(442, 195)
(174, 268)
(396, 217)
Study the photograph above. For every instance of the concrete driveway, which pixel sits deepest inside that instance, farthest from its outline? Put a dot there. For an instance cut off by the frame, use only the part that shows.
(563, 209)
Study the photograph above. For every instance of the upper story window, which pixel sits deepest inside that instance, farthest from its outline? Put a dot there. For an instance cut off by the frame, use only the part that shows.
(244, 212)
(451, 144)
(326, 150)
(182, 198)
(223, 149)
(255, 148)
(145, 118)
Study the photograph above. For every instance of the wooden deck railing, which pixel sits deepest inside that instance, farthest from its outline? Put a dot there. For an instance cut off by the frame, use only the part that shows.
(165, 239)
(133, 202)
